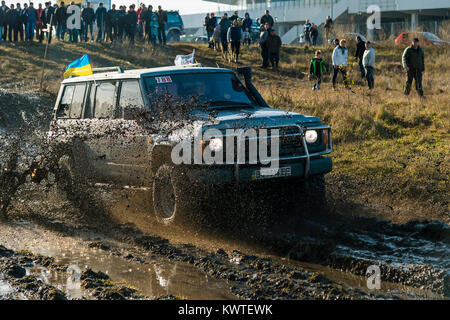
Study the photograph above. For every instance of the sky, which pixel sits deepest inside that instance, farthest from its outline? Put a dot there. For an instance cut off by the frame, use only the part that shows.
(184, 6)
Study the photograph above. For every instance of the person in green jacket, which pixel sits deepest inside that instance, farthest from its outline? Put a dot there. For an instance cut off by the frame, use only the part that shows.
(316, 68)
(413, 62)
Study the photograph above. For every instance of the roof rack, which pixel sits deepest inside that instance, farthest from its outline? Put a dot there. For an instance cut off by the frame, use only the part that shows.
(105, 69)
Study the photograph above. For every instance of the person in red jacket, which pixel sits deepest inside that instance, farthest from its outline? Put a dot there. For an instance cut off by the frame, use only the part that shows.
(140, 12)
(39, 21)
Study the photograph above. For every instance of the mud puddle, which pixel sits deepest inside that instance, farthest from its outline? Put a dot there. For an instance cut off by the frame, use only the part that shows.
(152, 277)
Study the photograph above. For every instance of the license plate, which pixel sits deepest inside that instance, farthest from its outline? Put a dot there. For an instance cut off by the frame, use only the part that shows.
(269, 173)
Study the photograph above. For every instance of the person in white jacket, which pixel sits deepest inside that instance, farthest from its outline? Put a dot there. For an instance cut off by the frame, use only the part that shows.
(369, 63)
(340, 62)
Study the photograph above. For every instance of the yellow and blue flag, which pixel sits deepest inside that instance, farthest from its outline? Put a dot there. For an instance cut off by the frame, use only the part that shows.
(80, 67)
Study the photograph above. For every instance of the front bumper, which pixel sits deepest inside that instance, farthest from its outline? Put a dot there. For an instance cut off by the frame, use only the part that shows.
(224, 174)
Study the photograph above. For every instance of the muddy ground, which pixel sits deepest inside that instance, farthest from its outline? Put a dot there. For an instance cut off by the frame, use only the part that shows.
(105, 244)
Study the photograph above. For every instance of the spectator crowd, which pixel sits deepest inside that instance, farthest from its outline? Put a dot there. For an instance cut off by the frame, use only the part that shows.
(28, 23)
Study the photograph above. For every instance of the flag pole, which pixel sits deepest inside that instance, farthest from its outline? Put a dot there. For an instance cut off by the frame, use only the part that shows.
(45, 53)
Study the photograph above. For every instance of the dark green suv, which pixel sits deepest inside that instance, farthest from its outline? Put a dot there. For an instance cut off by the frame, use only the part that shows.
(174, 26)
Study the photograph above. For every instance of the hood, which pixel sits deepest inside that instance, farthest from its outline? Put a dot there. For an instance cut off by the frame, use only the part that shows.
(258, 117)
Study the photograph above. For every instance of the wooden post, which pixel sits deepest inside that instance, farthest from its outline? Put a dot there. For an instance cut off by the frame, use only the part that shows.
(45, 53)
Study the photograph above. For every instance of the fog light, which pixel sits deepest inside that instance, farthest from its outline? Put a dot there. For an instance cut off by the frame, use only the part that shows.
(215, 144)
(311, 136)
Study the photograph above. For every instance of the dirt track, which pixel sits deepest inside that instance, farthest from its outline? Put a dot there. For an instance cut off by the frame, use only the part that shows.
(299, 256)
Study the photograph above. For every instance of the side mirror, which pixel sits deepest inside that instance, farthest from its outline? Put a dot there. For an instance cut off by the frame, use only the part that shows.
(246, 72)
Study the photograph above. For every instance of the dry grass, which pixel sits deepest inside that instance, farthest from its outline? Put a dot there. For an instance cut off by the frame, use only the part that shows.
(387, 144)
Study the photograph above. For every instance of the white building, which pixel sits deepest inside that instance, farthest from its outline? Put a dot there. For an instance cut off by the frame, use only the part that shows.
(290, 15)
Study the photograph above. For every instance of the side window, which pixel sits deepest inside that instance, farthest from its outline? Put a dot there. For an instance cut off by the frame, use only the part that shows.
(77, 101)
(66, 100)
(104, 100)
(130, 96)
(72, 101)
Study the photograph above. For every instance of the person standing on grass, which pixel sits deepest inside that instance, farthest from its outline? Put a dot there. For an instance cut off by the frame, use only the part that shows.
(360, 48)
(247, 28)
(263, 44)
(131, 22)
(224, 24)
(88, 17)
(307, 31)
(122, 23)
(162, 21)
(154, 26)
(234, 37)
(20, 18)
(273, 48)
(414, 63)
(140, 13)
(316, 69)
(314, 34)
(267, 18)
(12, 19)
(328, 28)
(39, 11)
(100, 17)
(369, 64)
(3, 20)
(112, 23)
(61, 21)
(340, 62)
(31, 22)
(210, 28)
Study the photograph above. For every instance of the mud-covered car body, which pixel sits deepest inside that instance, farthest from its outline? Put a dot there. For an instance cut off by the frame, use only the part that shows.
(91, 114)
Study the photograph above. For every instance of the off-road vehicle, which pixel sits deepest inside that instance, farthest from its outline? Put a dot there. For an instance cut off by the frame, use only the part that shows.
(96, 116)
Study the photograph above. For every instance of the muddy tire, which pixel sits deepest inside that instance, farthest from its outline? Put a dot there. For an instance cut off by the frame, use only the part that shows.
(69, 180)
(171, 204)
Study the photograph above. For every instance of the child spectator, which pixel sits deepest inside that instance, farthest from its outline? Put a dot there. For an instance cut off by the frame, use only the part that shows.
(316, 68)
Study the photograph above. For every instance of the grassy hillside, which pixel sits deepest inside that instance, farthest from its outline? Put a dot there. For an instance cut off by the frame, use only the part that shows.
(391, 151)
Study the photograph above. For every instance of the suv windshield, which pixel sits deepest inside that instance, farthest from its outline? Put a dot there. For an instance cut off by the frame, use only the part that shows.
(217, 89)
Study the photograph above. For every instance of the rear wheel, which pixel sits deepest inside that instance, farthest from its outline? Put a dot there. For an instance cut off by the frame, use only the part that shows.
(173, 36)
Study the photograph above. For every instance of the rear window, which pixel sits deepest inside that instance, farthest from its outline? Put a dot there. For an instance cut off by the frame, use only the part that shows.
(173, 18)
(72, 100)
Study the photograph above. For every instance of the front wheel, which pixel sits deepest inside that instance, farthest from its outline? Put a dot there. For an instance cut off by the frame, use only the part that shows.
(172, 203)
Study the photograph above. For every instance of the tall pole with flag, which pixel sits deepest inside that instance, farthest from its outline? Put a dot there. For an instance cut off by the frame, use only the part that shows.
(49, 27)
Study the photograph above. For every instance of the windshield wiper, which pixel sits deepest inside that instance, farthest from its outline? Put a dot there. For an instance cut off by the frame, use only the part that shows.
(228, 104)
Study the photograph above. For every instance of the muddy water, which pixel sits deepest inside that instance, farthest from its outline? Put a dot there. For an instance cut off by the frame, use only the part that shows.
(153, 277)
(132, 205)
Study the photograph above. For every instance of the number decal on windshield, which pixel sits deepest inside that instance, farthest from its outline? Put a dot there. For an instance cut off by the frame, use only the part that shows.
(166, 79)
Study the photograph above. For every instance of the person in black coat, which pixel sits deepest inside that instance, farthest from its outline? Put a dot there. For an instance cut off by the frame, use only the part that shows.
(61, 21)
(88, 17)
(100, 17)
(112, 23)
(267, 18)
(12, 18)
(21, 20)
(162, 20)
(146, 17)
(122, 22)
(360, 48)
(47, 17)
(3, 20)
(131, 23)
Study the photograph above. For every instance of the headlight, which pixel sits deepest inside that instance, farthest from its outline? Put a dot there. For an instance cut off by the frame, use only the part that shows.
(311, 136)
(215, 144)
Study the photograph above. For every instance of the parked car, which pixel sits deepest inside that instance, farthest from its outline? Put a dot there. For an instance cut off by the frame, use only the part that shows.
(425, 38)
(94, 119)
(174, 26)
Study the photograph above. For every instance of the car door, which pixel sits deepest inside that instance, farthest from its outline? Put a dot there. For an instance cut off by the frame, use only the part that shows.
(99, 128)
(69, 123)
(129, 153)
